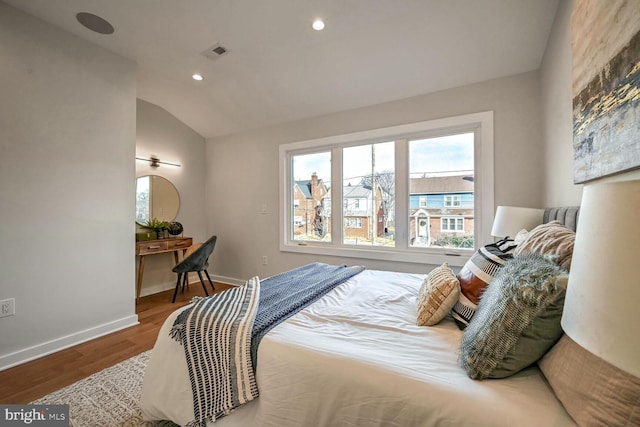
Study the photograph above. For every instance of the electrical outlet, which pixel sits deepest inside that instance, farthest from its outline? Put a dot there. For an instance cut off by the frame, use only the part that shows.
(264, 260)
(7, 307)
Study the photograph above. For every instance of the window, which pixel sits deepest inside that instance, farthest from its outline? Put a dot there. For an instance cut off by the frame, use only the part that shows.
(368, 181)
(396, 186)
(452, 201)
(353, 222)
(143, 200)
(438, 166)
(311, 180)
(452, 224)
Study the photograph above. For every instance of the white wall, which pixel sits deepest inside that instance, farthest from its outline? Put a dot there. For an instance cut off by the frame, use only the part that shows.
(161, 134)
(556, 79)
(67, 146)
(242, 169)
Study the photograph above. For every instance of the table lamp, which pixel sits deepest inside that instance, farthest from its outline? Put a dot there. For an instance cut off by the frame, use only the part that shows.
(509, 220)
(603, 294)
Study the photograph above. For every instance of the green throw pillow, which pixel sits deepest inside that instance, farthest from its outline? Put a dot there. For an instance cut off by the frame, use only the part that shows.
(517, 320)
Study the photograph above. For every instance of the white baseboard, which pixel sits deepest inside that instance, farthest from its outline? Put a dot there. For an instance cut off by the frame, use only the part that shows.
(228, 280)
(30, 353)
(155, 289)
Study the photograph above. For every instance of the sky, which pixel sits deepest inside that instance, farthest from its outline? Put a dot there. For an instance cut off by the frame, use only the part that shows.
(435, 156)
(452, 153)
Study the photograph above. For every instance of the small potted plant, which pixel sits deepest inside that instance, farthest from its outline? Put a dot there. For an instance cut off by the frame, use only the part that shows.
(160, 227)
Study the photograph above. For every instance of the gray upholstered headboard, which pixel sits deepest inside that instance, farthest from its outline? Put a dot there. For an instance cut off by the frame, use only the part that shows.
(566, 215)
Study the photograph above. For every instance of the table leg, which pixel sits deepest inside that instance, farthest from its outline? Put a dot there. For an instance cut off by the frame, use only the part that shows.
(177, 260)
(139, 284)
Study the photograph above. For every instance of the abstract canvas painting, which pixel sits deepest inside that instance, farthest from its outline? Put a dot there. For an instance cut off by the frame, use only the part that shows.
(605, 42)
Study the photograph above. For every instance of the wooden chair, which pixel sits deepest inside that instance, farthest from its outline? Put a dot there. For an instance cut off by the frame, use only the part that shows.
(196, 259)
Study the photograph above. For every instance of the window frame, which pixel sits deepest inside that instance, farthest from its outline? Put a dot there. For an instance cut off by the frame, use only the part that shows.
(456, 220)
(453, 198)
(351, 219)
(480, 123)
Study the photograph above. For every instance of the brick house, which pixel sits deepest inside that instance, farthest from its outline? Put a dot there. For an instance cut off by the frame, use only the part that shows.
(358, 205)
(308, 207)
(311, 208)
(441, 208)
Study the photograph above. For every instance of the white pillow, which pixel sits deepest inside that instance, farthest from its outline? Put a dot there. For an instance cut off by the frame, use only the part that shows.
(522, 234)
(438, 294)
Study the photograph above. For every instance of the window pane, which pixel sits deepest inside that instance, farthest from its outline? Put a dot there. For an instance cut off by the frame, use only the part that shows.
(441, 171)
(143, 212)
(310, 219)
(369, 194)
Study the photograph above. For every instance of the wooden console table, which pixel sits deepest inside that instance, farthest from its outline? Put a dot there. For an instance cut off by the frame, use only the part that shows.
(160, 246)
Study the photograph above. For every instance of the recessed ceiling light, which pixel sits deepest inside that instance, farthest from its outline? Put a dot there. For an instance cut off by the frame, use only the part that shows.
(197, 77)
(318, 25)
(95, 23)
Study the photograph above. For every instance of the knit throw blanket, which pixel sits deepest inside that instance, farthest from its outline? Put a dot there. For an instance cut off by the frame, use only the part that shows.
(220, 334)
(287, 293)
(216, 335)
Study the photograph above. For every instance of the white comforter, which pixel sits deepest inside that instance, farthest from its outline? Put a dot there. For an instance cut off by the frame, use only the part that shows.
(356, 358)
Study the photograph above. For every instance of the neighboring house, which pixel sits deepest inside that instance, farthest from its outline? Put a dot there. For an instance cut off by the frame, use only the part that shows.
(441, 208)
(358, 208)
(311, 210)
(308, 205)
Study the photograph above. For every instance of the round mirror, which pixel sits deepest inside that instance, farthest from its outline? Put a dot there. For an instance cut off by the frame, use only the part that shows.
(156, 197)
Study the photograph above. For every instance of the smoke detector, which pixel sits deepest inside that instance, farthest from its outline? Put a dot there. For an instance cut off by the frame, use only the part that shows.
(215, 51)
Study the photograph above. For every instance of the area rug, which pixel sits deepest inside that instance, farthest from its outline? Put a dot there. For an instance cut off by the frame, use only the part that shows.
(107, 398)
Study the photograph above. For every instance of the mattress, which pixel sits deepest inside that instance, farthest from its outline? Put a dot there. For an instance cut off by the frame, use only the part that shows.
(356, 358)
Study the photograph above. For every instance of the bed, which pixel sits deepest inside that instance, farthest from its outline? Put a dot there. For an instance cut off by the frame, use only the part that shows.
(355, 357)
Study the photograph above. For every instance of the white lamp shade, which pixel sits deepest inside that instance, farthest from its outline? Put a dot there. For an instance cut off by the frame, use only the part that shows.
(603, 294)
(509, 220)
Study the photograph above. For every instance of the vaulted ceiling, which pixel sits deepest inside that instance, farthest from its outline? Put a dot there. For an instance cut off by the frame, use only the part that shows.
(278, 69)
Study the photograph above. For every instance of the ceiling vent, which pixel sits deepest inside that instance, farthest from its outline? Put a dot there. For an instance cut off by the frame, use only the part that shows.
(215, 51)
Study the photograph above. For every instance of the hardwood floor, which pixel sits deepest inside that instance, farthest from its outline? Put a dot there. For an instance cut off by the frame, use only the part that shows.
(32, 380)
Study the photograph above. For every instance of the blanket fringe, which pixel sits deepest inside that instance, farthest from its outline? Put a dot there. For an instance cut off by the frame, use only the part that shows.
(178, 329)
(177, 332)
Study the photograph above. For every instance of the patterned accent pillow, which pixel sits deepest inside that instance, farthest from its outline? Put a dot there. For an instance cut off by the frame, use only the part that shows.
(438, 293)
(476, 275)
(552, 239)
(518, 318)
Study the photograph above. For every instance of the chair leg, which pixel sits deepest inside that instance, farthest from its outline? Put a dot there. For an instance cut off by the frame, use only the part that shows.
(210, 282)
(202, 281)
(175, 292)
(185, 282)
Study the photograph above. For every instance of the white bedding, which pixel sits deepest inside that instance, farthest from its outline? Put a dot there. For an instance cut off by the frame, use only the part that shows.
(356, 358)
